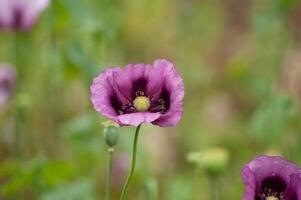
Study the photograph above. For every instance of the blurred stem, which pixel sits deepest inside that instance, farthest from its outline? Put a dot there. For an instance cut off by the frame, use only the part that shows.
(152, 189)
(109, 174)
(128, 180)
(195, 181)
(214, 188)
(17, 54)
(16, 57)
(52, 24)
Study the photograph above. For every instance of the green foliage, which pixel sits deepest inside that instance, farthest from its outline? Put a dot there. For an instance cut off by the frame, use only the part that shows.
(34, 176)
(78, 190)
(272, 118)
(179, 187)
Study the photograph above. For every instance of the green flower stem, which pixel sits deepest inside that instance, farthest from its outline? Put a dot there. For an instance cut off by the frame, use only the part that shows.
(52, 23)
(195, 180)
(128, 180)
(109, 173)
(214, 188)
(17, 112)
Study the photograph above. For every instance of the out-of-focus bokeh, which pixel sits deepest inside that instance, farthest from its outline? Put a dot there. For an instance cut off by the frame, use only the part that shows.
(241, 65)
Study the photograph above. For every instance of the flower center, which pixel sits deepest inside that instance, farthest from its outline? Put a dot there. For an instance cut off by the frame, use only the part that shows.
(273, 188)
(141, 103)
(272, 198)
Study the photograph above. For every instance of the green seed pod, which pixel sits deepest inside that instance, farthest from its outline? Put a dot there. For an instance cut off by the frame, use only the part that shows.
(213, 161)
(111, 135)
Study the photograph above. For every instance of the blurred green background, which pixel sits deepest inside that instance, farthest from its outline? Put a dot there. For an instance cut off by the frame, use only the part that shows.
(241, 65)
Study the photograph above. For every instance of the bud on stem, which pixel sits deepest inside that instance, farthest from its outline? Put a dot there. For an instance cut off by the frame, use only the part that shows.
(111, 135)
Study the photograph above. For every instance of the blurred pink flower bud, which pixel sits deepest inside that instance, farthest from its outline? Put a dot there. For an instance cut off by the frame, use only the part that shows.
(121, 166)
(7, 83)
(20, 15)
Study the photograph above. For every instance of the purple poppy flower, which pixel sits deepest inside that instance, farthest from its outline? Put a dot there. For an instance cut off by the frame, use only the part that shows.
(271, 178)
(140, 93)
(20, 15)
(7, 83)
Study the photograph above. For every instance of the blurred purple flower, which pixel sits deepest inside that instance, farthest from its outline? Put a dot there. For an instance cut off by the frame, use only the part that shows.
(7, 83)
(140, 93)
(121, 165)
(20, 15)
(271, 178)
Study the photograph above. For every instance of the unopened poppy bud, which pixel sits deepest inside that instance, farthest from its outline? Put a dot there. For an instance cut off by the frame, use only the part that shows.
(111, 135)
(213, 161)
